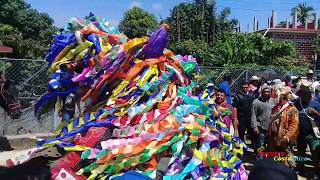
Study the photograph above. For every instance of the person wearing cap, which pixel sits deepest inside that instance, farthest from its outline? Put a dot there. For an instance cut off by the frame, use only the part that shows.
(283, 128)
(225, 85)
(254, 86)
(242, 101)
(260, 117)
(208, 92)
(308, 108)
(310, 76)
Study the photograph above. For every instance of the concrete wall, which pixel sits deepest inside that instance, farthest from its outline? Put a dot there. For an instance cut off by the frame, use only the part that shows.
(304, 42)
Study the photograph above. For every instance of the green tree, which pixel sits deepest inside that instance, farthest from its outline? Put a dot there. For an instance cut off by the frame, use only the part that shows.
(198, 20)
(304, 12)
(224, 24)
(137, 22)
(24, 29)
(195, 27)
(241, 49)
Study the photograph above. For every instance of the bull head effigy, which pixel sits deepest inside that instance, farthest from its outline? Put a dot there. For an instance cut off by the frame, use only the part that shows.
(139, 108)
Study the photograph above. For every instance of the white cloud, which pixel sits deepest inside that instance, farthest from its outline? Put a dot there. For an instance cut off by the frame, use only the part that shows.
(157, 7)
(135, 4)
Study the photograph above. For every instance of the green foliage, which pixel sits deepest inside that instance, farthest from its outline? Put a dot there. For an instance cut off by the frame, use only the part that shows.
(316, 46)
(303, 11)
(198, 30)
(24, 29)
(136, 22)
(3, 66)
(198, 21)
(240, 49)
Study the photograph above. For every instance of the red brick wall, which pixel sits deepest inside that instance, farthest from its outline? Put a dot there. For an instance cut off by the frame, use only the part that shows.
(303, 42)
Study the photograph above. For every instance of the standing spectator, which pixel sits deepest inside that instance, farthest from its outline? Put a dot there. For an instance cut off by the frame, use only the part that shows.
(315, 84)
(254, 86)
(220, 100)
(308, 108)
(296, 84)
(242, 101)
(283, 127)
(225, 86)
(310, 76)
(287, 81)
(260, 117)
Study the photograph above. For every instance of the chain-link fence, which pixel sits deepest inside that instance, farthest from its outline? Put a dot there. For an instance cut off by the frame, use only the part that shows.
(31, 77)
(215, 75)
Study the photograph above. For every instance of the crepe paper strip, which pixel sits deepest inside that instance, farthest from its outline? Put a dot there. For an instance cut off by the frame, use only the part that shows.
(90, 28)
(94, 38)
(63, 53)
(79, 37)
(156, 44)
(151, 72)
(56, 141)
(61, 41)
(81, 76)
(132, 111)
(70, 55)
(188, 67)
(134, 43)
(143, 158)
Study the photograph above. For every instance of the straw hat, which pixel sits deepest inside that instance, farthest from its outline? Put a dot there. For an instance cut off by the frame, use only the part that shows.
(306, 86)
(254, 78)
(284, 90)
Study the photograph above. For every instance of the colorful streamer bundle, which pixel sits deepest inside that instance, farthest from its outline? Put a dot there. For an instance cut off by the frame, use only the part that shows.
(139, 109)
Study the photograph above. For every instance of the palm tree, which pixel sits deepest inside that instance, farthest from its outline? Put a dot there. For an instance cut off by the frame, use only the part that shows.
(304, 12)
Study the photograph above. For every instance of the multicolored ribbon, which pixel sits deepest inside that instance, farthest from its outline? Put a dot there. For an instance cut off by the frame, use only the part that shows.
(144, 92)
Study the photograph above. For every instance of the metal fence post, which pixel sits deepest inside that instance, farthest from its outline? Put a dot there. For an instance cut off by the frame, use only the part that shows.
(53, 121)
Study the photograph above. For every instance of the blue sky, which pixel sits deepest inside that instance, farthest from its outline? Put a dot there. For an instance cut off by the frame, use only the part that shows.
(244, 10)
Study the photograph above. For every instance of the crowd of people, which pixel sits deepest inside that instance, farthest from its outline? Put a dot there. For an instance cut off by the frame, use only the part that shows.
(281, 116)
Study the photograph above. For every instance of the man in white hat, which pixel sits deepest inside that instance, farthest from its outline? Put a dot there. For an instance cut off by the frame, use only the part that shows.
(310, 76)
(254, 86)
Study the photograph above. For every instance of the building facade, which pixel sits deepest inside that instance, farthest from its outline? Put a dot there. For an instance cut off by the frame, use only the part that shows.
(302, 36)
